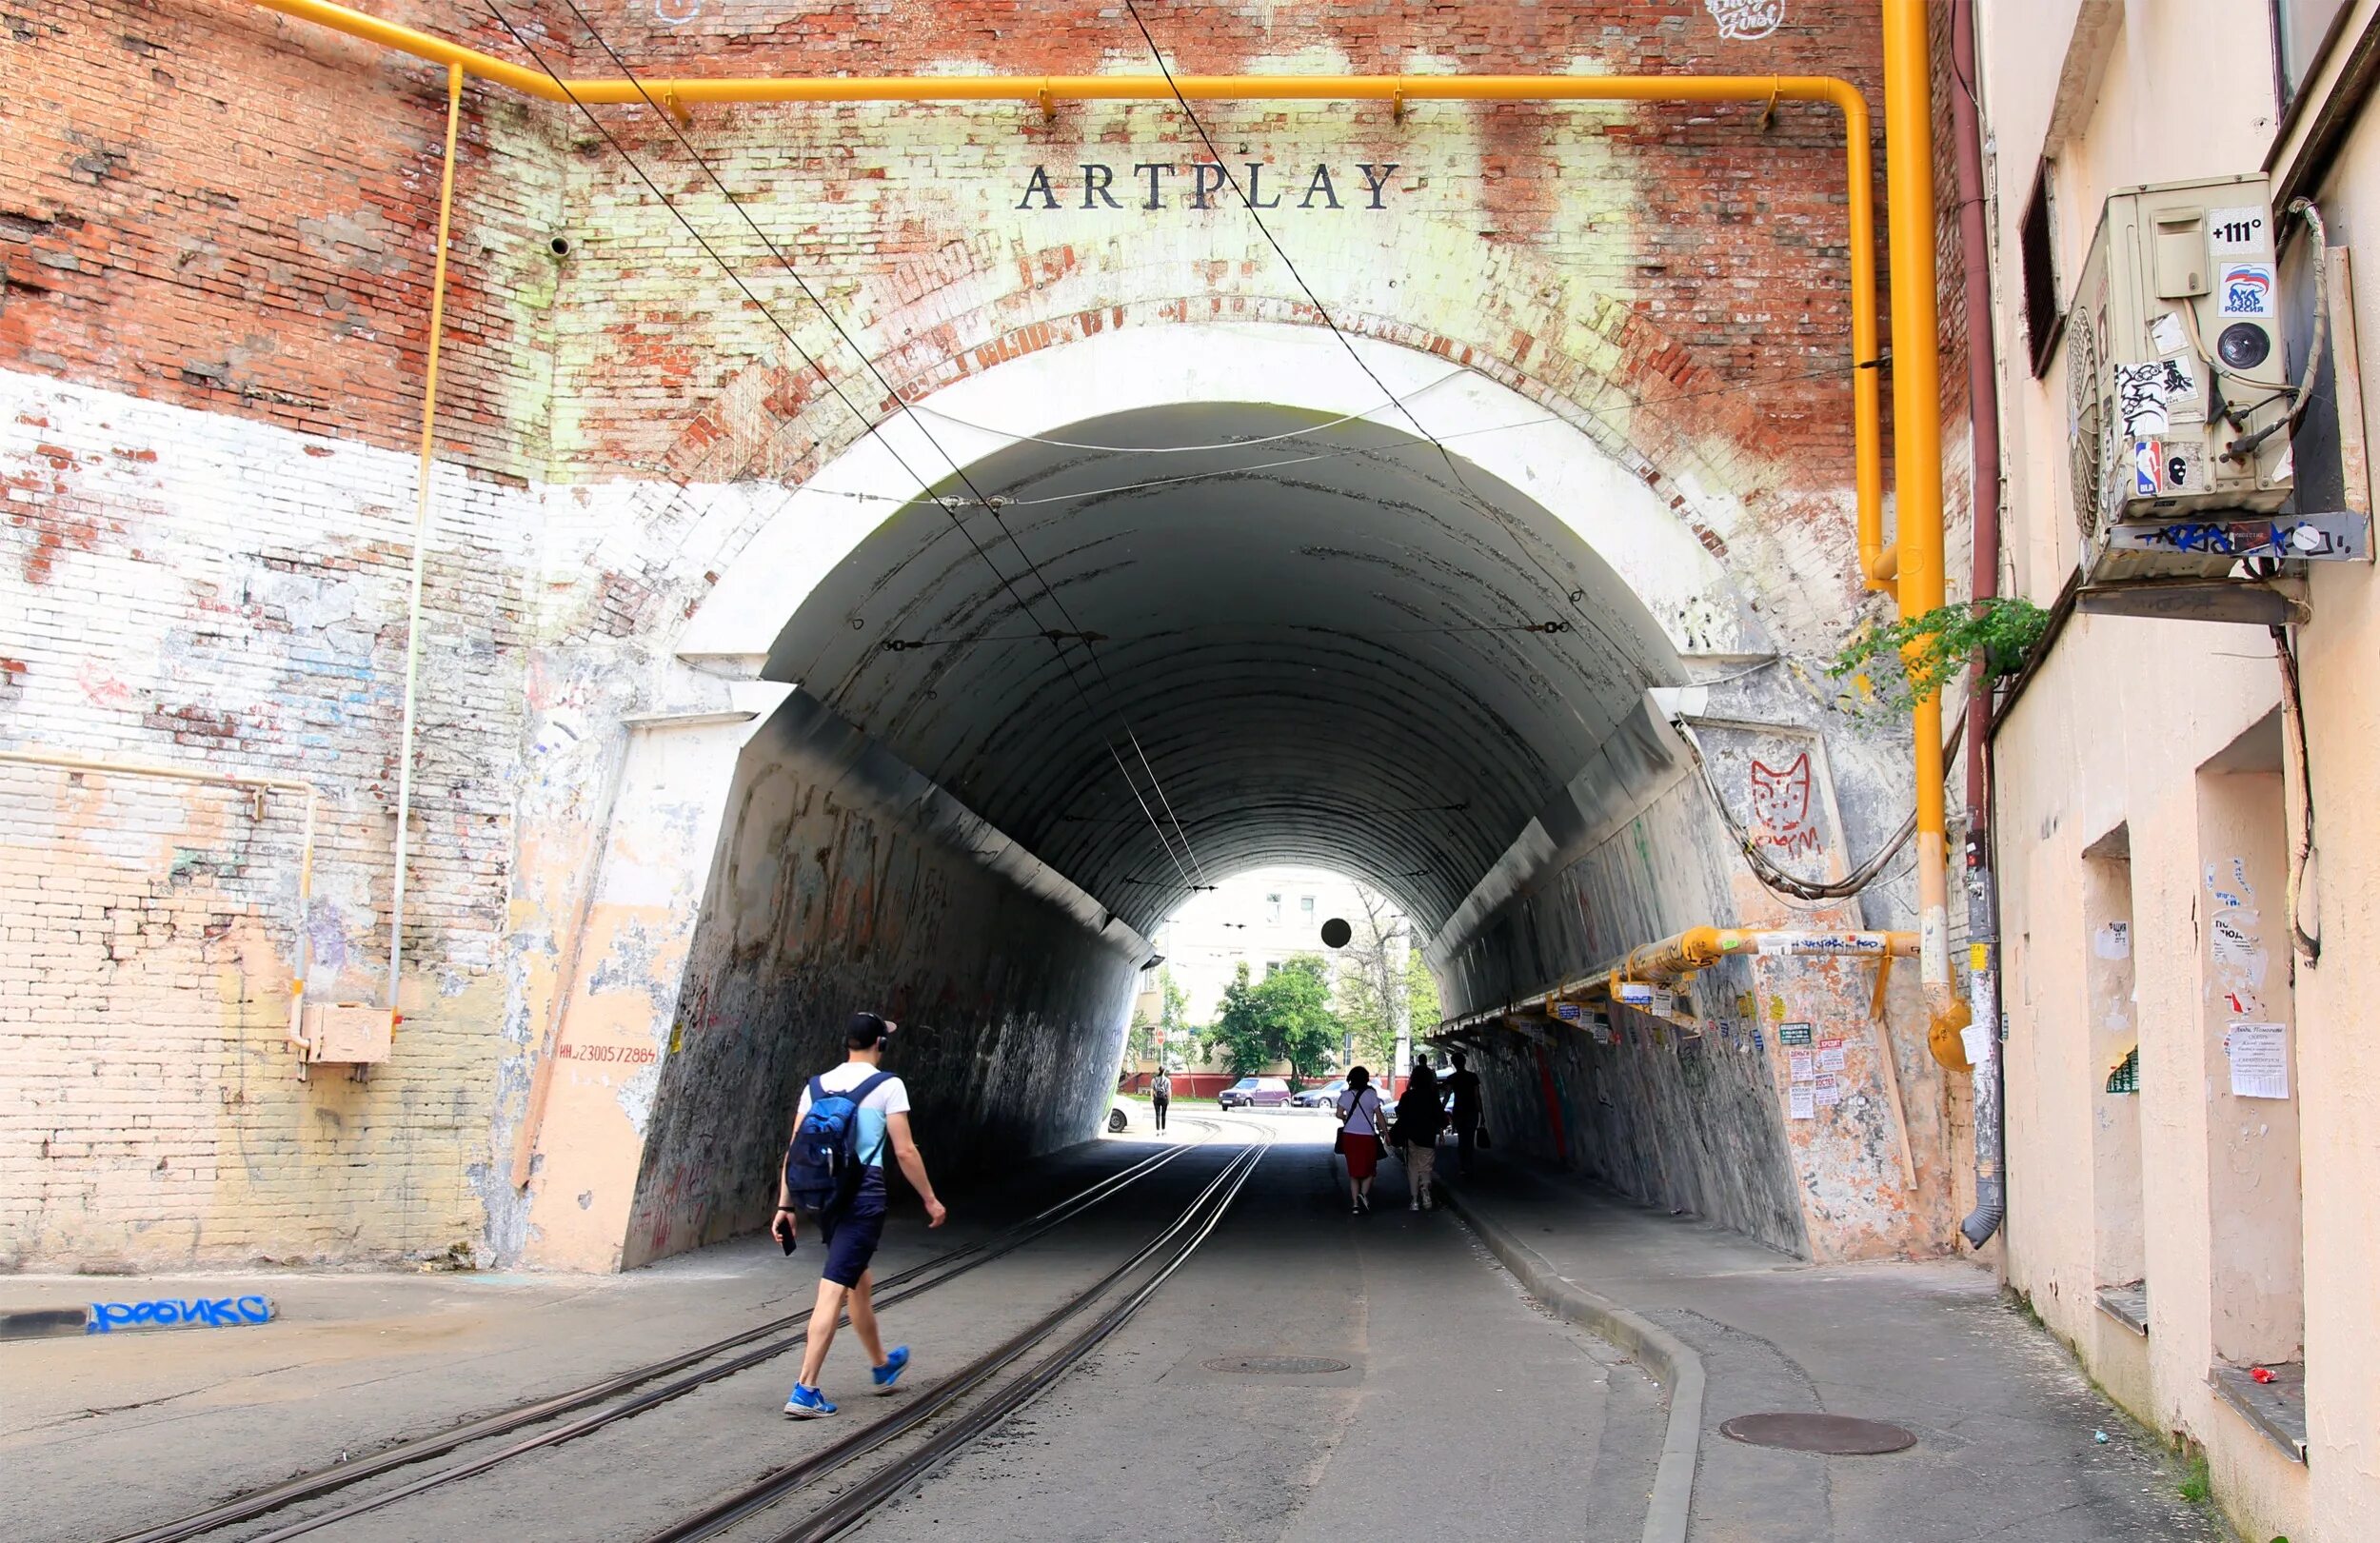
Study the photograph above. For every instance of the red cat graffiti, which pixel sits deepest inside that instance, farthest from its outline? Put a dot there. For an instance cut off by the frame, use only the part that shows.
(1780, 807)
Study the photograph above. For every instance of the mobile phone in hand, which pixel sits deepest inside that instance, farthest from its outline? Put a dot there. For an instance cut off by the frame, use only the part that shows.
(787, 1240)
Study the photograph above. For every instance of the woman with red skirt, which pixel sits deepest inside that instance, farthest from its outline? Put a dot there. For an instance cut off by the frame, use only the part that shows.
(1359, 1137)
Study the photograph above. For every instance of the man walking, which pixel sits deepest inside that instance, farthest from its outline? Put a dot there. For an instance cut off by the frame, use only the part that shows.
(1463, 1086)
(1160, 1095)
(863, 1110)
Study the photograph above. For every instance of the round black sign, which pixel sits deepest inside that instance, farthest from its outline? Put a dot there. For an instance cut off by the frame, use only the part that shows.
(1335, 933)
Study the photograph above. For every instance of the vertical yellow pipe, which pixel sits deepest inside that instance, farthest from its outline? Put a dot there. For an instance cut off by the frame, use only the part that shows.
(420, 533)
(1917, 437)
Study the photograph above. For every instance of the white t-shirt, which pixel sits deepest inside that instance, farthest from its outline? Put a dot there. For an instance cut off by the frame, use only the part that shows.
(1360, 1109)
(889, 1098)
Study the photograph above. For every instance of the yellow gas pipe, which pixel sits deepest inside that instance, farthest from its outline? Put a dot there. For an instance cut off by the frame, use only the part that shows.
(1917, 447)
(1398, 90)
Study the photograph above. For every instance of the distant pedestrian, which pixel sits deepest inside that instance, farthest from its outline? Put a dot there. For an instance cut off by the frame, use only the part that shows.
(1359, 1137)
(849, 1118)
(1419, 1118)
(1161, 1096)
(1462, 1087)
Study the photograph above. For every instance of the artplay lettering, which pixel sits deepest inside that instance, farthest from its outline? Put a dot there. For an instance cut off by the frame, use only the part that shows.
(1157, 185)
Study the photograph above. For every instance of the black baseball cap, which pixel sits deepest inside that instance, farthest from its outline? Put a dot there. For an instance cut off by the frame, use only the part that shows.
(866, 1031)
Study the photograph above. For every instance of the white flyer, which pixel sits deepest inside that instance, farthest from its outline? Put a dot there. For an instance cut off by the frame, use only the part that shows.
(1827, 1090)
(1801, 1104)
(1799, 1066)
(2260, 1060)
(1830, 1058)
(2169, 334)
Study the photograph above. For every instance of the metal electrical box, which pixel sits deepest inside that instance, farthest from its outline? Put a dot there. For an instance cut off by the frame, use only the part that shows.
(2177, 379)
(351, 1034)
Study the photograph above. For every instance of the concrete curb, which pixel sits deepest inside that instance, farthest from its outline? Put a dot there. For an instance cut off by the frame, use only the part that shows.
(1667, 1356)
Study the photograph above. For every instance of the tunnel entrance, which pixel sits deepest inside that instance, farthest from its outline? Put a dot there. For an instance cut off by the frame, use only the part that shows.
(1178, 601)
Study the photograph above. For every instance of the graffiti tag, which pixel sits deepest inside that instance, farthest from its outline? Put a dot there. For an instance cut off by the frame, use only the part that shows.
(1743, 21)
(1780, 806)
(179, 1313)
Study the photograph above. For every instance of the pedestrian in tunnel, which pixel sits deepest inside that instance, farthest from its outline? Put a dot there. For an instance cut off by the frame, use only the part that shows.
(1359, 1137)
(1420, 1116)
(849, 1118)
(1161, 1096)
(1462, 1087)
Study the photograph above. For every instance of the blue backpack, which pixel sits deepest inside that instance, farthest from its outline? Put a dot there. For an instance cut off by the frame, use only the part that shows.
(822, 1166)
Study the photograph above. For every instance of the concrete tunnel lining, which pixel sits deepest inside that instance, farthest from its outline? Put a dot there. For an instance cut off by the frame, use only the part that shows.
(1280, 638)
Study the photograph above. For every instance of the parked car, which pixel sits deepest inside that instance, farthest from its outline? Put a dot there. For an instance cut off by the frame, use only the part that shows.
(1322, 1096)
(1118, 1116)
(1255, 1093)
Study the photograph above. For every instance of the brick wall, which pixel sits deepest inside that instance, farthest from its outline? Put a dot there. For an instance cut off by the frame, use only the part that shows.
(214, 231)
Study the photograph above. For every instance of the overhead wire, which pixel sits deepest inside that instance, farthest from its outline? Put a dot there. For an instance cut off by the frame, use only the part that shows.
(1185, 449)
(869, 424)
(1573, 594)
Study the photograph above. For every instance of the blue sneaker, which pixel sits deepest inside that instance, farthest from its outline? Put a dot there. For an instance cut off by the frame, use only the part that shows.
(888, 1373)
(808, 1404)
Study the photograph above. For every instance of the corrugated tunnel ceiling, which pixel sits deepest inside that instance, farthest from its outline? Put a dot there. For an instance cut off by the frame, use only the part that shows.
(1314, 640)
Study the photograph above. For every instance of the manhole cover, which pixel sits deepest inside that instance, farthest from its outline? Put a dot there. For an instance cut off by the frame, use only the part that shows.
(1275, 1363)
(1837, 1435)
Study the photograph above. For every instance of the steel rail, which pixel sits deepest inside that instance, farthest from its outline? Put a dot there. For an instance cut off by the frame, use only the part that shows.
(1198, 1218)
(942, 1267)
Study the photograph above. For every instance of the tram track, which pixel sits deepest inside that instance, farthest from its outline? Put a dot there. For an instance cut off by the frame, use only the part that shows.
(851, 1505)
(909, 1283)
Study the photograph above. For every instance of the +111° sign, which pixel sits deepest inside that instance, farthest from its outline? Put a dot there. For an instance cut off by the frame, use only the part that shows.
(1155, 185)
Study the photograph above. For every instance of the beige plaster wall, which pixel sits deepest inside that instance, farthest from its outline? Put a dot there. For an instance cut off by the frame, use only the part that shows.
(2245, 1258)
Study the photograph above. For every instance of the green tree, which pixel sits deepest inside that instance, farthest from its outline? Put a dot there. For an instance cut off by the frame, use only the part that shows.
(1240, 1031)
(1286, 1017)
(1296, 1002)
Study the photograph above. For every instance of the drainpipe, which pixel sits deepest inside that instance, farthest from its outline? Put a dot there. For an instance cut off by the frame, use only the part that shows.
(420, 535)
(1918, 444)
(1983, 408)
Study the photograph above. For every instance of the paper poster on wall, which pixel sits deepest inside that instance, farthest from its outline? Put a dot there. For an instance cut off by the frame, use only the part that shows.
(2260, 1060)
(2169, 334)
(1802, 1101)
(1800, 1066)
(1830, 1058)
(1827, 1090)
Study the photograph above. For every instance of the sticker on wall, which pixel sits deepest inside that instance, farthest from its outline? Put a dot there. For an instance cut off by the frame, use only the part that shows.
(2140, 400)
(2114, 941)
(1634, 994)
(2260, 1060)
(2235, 230)
(2246, 290)
(2124, 1077)
(1746, 21)
(1664, 1002)
(1792, 1033)
(2182, 400)
(2169, 334)
(2148, 462)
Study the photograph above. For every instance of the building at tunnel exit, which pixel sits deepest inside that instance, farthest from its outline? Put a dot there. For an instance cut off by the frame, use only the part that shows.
(1479, 525)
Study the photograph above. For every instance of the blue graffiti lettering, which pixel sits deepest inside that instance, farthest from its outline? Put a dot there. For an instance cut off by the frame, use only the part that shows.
(166, 1312)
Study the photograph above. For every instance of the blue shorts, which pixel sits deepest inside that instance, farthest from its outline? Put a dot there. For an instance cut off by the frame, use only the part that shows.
(851, 1237)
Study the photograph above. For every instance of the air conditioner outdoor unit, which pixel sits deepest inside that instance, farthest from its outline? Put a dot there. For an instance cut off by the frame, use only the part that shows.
(2179, 386)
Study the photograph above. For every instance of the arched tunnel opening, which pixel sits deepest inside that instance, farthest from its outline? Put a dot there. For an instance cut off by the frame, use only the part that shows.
(1016, 719)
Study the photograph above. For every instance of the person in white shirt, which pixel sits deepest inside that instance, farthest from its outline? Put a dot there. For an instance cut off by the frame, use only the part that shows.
(1359, 1137)
(854, 1227)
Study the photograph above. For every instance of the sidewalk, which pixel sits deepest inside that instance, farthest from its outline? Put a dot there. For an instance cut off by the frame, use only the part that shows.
(2006, 1425)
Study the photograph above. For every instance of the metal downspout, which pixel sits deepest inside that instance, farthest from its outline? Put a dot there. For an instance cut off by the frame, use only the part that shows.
(1918, 444)
(420, 535)
(1983, 410)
